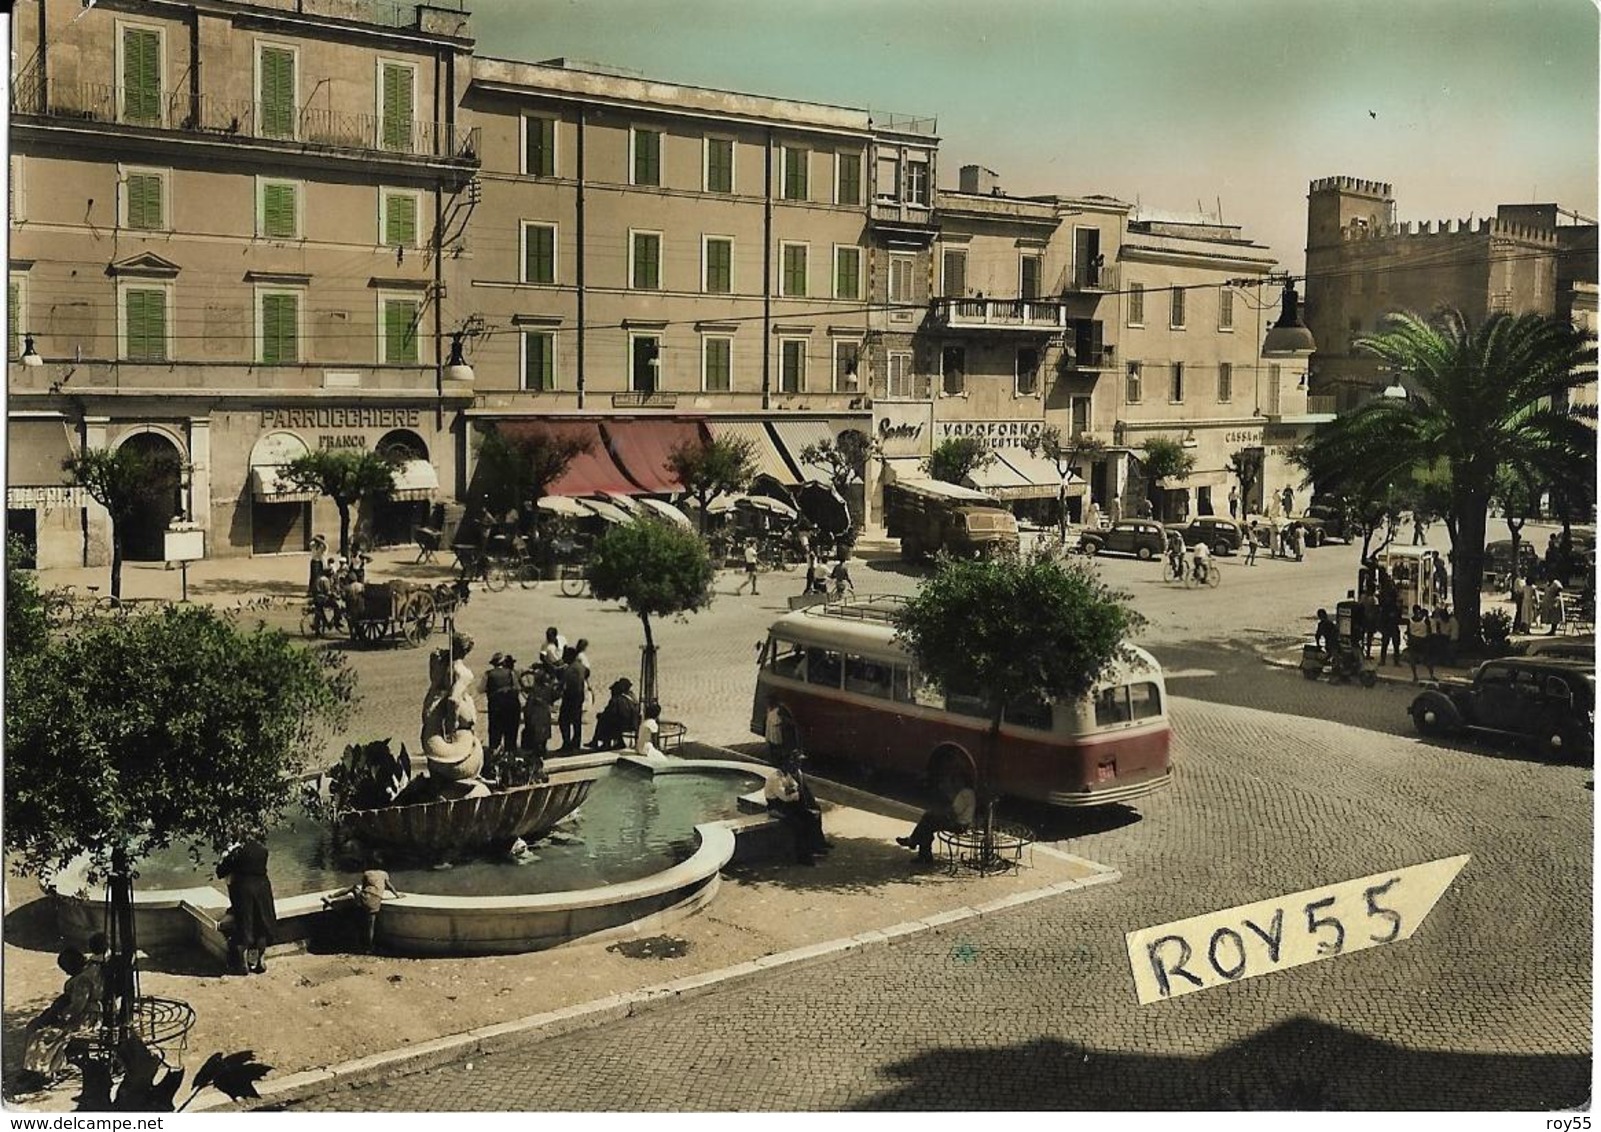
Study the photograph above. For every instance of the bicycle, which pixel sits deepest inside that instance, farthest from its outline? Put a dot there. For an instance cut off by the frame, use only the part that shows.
(574, 579)
(1175, 570)
(60, 606)
(1205, 572)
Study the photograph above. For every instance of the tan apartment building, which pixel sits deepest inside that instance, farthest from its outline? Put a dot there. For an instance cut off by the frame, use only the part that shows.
(222, 246)
(1362, 264)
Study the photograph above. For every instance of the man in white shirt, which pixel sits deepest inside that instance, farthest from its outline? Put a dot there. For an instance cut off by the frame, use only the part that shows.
(790, 799)
(550, 652)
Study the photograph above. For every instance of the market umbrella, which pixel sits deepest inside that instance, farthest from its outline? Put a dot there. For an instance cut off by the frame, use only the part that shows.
(608, 511)
(564, 505)
(666, 511)
(770, 505)
(768, 486)
(825, 508)
(723, 504)
(621, 502)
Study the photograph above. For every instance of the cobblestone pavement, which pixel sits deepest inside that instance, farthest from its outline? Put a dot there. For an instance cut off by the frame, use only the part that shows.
(1487, 1007)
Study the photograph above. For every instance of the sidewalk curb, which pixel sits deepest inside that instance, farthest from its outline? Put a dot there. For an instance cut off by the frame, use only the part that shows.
(554, 1023)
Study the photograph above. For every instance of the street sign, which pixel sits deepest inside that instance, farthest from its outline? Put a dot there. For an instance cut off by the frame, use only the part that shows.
(1273, 935)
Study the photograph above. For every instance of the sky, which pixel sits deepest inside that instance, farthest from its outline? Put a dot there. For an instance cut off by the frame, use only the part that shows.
(1460, 105)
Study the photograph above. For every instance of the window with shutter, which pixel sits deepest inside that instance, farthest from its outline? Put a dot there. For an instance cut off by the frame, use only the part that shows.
(647, 261)
(1176, 310)
(141, 76)
(539, 253)
(280, 328)
(848, 189)
(279, 211)
(400, 331)
(144, 200)
(13, 319)
(719, 266)
(398, 100)
(718, 371)
(848, 273)
(647, 157)
(146, 321)
(795, 162)
(539, 370)
(277, 67)
(792, 365)
(794, 278)
(1031, 272)
(955, 272)
(400, 220)
(719, 165)
(540, 157)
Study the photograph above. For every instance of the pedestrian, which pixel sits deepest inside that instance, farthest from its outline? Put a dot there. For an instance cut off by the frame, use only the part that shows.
(1419, 526)
(750, 567)
(842, 578)
(1326, 634)
(250, 905)
(505, 704)
(1368, 606)
(790, 799)
(1287, 500)
(1297, 536)
(536, 713)
(1145, 509)
(551, 651)
(366, 897)
(1551, 606)
(1234, 502)
(1252, 533)
(649, 728)
(814, 575)
(583, 658)
(1419, 648)
(1528, 605)
(954, 815)
(571, 716)
(319, 563)
(76, 1009)
(1389, 624)
(1443, 634)
(779, 731)
(1442, 578)
(1114, 510)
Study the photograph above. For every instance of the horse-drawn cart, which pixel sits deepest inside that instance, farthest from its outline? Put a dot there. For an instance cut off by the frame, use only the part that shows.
(374, 612)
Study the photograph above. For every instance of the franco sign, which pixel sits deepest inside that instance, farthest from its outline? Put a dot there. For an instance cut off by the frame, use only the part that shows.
(1273, 935)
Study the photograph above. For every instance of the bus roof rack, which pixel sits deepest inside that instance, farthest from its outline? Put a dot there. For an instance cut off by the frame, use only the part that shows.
(869, 607)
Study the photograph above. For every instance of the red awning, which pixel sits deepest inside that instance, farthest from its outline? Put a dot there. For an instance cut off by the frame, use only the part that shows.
(641, 447)
(590, 472)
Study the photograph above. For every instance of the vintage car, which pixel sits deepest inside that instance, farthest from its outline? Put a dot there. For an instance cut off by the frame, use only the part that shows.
(1498, 562)
(1144, 538)
(1566, 646)
(1222, 534)
(1546, 702)
(1324, 523)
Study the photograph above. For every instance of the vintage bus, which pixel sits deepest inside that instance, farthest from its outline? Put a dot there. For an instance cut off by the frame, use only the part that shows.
(851, 692)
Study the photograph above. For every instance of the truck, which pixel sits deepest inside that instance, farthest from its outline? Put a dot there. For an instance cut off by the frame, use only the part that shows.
(929, 516)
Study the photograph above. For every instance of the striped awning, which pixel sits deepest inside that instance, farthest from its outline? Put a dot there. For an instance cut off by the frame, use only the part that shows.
(268, 485)
(414, 480)
(766, 455)
(795, 436)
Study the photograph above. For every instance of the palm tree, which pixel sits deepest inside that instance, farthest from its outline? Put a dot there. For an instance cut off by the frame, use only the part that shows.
(1478, 399)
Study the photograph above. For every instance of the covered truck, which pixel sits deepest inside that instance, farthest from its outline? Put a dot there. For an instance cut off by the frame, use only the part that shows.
(929, 516)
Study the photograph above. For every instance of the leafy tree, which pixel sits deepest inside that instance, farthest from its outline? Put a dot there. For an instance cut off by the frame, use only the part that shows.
(345, 475)
(1484, 397)
(1165, 459)
(132, 733)
(27, 627)
(656, 569)
(1014, 630)
(956, 459)
(709, 468)
(1066, 454)
(1517, 496)
(517, 471)
(124, 481)
(845, 458)
(1245, 465)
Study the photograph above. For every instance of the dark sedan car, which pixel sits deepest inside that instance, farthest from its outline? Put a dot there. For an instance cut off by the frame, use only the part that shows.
(1222, 534)
(1546, 702)
(1325, 523)
(1143, 538)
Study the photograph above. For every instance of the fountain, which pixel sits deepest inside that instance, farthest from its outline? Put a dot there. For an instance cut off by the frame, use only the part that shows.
(588, 846)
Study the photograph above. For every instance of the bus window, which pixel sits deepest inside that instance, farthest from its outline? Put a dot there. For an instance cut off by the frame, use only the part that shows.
(925, 693)
(903, 685)
(1144, 701)
(823, 667)
(965, 702)
(867, 677)
(786, 658)
(1030, 712)
(1111, 706)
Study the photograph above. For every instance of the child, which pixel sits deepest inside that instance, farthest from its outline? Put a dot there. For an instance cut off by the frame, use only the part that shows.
(751, 560)
(367, 897)
(842, 579)
(649, 728)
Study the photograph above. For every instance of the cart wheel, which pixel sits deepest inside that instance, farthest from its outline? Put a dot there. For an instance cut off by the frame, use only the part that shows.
(496, 578)
(572, 583)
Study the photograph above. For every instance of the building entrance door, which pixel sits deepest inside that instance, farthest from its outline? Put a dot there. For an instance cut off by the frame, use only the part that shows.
(145, 529)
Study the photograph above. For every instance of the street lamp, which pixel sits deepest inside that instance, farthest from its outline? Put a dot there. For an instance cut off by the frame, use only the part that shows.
(1394, 391)
(30, 355)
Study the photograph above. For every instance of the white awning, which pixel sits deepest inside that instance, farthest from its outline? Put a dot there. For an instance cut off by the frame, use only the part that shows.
(666, 511)
(796, 436)
(608, 511)
(1040, 472)
(997, 478)
(268, 486)
(415, 479)
(765, 452)
(563, 505)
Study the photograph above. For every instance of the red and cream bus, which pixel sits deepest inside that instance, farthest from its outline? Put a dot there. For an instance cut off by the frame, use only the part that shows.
(853, 693)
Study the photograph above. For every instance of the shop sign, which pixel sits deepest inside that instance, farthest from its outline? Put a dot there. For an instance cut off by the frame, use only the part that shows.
(902, 430)
(1251, 437)
(340, 417)
(46, 498)
(997, 434)
(347, 441)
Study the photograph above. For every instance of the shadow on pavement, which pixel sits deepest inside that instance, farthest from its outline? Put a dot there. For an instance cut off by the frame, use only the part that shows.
(857, 865)
(1299, 1064)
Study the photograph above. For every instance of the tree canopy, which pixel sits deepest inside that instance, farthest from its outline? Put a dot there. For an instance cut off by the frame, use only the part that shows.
(124, 480)
(709, 468)
(517, 471)
(139, 731)
(844, 458)
(1479, 399)
(345, 475)
(27, 627)
(959, 457)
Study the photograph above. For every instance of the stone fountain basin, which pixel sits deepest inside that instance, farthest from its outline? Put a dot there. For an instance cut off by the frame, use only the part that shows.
(424, 924)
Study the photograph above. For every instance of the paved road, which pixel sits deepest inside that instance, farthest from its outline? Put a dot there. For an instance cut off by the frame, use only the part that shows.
(1283, 785)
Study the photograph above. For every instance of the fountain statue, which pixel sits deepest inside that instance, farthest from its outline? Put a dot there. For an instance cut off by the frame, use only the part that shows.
(454, 751)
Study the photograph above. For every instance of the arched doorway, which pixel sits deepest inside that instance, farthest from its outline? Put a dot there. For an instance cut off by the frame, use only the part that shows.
(144, 530)
(395, 520)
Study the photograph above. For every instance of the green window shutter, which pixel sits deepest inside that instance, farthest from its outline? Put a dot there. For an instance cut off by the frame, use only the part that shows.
(277, 92)
(147, 325)
(647, 157)
(280, 342)
(719, 266)
(540, 266)
(795, 272)
(647, 262)
(848, 280)
(541, 147)
(278, 211)
(539, 362)
(141, 75)
(13, 320)
(400, 220)
(795, 162)
(720, 166)
(144, 200)
(850, 179)
(719, 371)
(400, 333)
(397, 107)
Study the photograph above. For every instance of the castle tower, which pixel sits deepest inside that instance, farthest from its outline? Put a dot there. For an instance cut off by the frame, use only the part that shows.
(1335, 203)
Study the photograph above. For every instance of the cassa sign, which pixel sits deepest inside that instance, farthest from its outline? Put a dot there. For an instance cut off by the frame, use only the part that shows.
(1274, 935)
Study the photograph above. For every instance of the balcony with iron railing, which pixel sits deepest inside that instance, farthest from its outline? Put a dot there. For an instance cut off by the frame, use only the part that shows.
(1092, 357)
(1037, 315)
(1088, 278)
(242, 119)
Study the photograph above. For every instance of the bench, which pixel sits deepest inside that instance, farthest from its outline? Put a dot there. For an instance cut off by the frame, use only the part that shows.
(669, 736)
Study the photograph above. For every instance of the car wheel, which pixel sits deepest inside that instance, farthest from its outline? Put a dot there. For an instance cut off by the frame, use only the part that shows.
(1145, 554)
(1091, 547)
(1428, 719)
(1219, 549)
(1559, 741)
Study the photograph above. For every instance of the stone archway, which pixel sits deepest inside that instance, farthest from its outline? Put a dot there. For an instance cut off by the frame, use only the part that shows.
(144, 530)
(394, 521)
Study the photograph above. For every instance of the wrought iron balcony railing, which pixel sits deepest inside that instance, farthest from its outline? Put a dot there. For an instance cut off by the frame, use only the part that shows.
(178, 110)
(999, 314)
(1088, 277)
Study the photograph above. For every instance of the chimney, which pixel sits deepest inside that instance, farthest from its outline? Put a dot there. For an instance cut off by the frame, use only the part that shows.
(977, 179)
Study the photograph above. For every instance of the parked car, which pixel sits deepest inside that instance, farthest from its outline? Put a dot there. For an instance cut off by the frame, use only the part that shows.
(1567, 647)
(1143, 538)
(1498, 562)
(1546, 702)
(1222, 534)
(1325, 523)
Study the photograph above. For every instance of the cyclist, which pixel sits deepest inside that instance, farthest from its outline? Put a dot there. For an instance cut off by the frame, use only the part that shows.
(1175, 553)
(1201, 564)
(842, 578)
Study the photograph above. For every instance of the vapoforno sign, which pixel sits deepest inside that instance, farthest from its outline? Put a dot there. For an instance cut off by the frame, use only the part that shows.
(998, 434)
